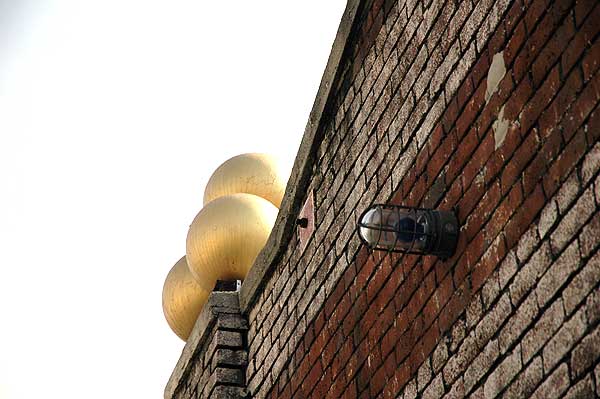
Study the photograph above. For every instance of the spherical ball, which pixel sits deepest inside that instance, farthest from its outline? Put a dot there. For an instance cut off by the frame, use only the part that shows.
(182, 299)
(259, 174)
(226, 236)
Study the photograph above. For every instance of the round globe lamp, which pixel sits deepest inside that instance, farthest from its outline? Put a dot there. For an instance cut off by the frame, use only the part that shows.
(226, 236)
(258, 174)
(182, 299)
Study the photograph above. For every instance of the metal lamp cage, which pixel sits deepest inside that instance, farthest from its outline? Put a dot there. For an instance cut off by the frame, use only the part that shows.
(397, 228)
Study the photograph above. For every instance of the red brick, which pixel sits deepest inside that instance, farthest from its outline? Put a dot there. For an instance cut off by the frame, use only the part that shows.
(478, 159)
(469, 113)
(450, 115)
(552, 50)
(521, 64)
(593, 130)
(534, 12)
(469, 200)
(482, 212)
(525, 215)
(452, 196)
(490, 112)
(423, 348)
(463, 151)
(517, 163)
(502, 154)
(518, 99)
(409, 338)
(400, 379)
(488, 263)
(536, 169)
(582, 8)
(541, 99)
(312, 378)
(582, 39)
(322, 387)
(422, 160)
(581, 108)
(464, 92)
(503, 212)
(377, 382)
(334, 298)
(480, 70)
(365, 264)
(591, 61)
(414, 306)
(496, 42)
(379, 278)
(454, 307)
(389, 365)
(389, 290)
(565, 162)
(410, 284)
(514, 44)
(539, 35)
(441, 155)
(436, 137)
(438, 300)
(391, 337)
(331, 349)
(550, 118)
(350, 391)
(463, 267)
(341, 358)
(513, 15)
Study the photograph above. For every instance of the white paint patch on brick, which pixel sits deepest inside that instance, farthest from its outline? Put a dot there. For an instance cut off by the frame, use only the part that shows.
(500, 127)
(495, 74)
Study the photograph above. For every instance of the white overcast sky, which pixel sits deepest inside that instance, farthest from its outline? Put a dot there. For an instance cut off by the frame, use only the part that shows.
(113, 115)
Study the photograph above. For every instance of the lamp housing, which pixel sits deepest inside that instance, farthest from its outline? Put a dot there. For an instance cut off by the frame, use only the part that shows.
(397, 228)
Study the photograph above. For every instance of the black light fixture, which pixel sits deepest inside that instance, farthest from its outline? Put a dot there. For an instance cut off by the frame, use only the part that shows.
(398, 228)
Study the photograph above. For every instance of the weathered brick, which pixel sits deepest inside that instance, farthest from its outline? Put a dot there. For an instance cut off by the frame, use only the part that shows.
(558, 273)
(543, 329)
(439, 356)
(527, 381)
(459, 362)
(480, 365)
(492, 321)
(567, 193)
(588, 238)
(583, 389)
(530, 272)
(547, 218)
(518, 323)
(435, 390)
(503, 374)
(582, 284)
(564, 339)
(554, 385)
(586, 354)
(424, 375)
(593, 307)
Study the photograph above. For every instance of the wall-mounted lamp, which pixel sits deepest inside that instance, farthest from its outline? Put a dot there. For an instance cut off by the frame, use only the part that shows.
(398, 228)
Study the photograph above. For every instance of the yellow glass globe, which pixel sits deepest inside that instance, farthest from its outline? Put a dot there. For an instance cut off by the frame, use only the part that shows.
(259, 174)
(226, 236)
(182, 299)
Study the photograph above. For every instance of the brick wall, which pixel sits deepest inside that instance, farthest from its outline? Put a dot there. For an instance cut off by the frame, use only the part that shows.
(488, 107)
(214, 362)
